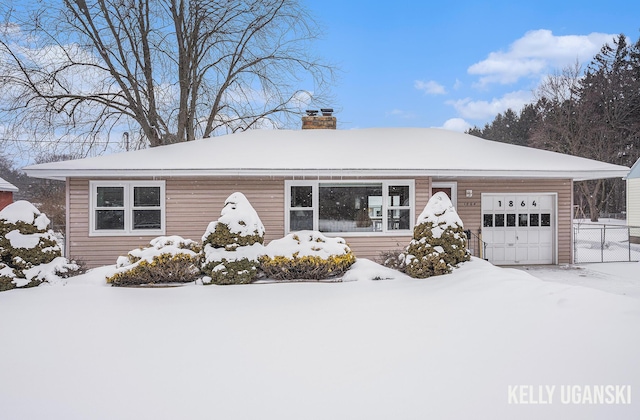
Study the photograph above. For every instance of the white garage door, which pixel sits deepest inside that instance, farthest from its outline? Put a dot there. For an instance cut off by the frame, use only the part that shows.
(519, 228)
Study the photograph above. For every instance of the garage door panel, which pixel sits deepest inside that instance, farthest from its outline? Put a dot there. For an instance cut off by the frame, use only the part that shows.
(546, 236)
(509, 236)
(522, 254)
(522, 237)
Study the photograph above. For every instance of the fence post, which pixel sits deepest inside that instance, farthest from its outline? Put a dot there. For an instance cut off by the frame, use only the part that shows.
(602, 236)
(575, 244)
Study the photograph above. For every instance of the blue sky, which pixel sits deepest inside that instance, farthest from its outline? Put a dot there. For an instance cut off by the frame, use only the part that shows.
(454, 64)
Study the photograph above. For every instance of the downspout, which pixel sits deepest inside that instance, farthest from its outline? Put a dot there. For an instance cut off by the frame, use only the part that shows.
(67, 216)
(573, 261)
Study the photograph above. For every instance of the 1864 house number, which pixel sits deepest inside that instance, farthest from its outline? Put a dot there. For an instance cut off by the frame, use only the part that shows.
(522, 203)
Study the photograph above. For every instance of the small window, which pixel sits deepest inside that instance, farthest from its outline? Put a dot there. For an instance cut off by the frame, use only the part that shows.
(523, 220)
(534, 219)
(488, 220)
(545, 219)
(301, 220)
(109, 208)
(398, 208)
(146, 208)
(511, 220)
(499, 220)
(302, 196)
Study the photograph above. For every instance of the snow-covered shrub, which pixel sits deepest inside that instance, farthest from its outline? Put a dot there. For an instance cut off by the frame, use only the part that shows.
(169, 259)
(306, 255)
(439, 242)
(233, 243)
(29, 252)
(393, 258)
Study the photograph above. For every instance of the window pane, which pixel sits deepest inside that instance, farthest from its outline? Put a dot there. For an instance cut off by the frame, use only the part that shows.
(300, 220)
(146, 219)
(301, 196)
(488, 220)
(523, 219)
(350, 208)
(110, 197)
(533, 219)
(396, 220)
(545, 219)
(109, 219)
(399, 195)
(511, 220)
(499, 220)
(146, 196)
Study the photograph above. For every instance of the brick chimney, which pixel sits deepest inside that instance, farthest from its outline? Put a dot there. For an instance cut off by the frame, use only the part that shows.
(313, 121)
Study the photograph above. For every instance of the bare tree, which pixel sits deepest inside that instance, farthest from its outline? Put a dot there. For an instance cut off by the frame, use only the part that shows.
(594, 114)
(164, 71)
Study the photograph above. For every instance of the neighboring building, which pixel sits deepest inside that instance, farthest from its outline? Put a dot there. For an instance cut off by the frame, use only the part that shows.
(633, 202)
(6, 193)
(367, 186)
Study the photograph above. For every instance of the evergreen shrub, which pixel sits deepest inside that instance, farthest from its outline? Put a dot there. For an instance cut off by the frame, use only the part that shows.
(169, 259)
(29, 251)
(306, 255)
(439, 243)
(232, 244)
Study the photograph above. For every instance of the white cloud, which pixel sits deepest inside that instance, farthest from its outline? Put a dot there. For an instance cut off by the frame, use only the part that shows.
(456, 124)
(535, 53)
(479, 110)
(431, 87)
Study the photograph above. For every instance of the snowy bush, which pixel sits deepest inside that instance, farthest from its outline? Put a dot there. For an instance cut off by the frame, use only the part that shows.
(393, 258)
(439, 242)
(169, 259)
(29, 252)
(306, 255)
(233, 243)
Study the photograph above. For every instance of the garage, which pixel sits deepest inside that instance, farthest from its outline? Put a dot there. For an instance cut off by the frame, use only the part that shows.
(519, 228)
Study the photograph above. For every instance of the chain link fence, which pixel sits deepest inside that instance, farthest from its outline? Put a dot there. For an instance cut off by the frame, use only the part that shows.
(604, 243)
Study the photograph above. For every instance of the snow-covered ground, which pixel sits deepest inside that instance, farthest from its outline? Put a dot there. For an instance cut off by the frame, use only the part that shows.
(621, 278)
(481, 343)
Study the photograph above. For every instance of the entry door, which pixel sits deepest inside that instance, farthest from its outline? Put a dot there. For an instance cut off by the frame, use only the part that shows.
(519, 228)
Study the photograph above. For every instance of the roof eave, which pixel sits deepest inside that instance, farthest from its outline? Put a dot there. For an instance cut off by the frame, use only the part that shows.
(62, 174)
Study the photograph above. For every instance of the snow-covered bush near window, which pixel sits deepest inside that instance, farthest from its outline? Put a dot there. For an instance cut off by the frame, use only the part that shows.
(233, 243)
(439, 242)
(306, 255)
(29, 252)
(168, 259)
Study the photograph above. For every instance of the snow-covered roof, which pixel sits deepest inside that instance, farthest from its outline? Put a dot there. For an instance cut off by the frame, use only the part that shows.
(6, 186)
(635, 170)
(364, 152)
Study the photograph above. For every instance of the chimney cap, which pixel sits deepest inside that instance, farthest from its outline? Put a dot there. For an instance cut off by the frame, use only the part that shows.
(326, 111)
(312, 112)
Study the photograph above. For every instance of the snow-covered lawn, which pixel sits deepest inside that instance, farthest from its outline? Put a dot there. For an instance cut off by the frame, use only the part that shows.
(458, 346)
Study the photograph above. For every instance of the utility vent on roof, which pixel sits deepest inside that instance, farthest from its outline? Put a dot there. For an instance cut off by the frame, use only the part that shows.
(313, 121)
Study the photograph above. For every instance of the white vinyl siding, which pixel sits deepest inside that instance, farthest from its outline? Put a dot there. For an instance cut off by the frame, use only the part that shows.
(633, 207)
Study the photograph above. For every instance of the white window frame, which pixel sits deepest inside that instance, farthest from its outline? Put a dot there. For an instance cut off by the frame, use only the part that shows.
(128, 207)
(315, 188)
